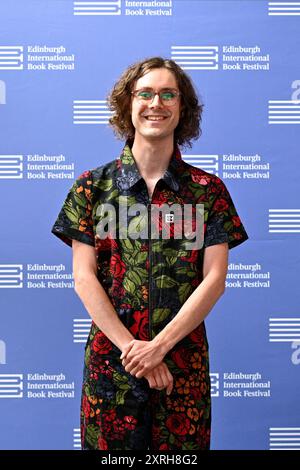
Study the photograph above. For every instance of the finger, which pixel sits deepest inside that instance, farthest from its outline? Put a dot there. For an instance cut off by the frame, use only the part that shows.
(159, 379)
(132, 363)
(168, 379)
(140, 374)
(126, 350)
(129, 358)
(125, 362)
(169, 388)
(135, 370)
(151, 381)
(171, 383)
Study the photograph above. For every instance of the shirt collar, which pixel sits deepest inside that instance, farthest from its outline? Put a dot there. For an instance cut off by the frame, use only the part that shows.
(129, 175)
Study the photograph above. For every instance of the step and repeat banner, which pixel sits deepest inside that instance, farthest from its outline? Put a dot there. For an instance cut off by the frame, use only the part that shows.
(58, 61)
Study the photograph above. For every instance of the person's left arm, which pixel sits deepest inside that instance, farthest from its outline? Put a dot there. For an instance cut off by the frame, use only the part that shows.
(139, 357)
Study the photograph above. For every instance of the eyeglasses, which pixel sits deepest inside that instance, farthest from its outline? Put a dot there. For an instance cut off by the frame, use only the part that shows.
(168, 96)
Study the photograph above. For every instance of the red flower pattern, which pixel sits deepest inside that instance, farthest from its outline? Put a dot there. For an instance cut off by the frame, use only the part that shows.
(147, 285)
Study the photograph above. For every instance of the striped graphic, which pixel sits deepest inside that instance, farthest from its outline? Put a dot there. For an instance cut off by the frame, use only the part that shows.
(284, 220)
(196, 57)
(284, 438)
(11, 57)
(11, 276)
(97, 8)
(284, 8)
(207, 163)
(11, 166)
(11, 385)
(91, 112)
(284, 111)
(284, 330)
(76, 438)
(81, 329)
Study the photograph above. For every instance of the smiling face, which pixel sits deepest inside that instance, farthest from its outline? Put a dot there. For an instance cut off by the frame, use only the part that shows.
(141, 113)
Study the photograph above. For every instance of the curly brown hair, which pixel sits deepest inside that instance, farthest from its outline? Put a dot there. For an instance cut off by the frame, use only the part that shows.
(119, 101)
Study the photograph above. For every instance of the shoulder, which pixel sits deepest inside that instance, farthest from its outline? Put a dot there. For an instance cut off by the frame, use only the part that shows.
(202, 178)
(97, 173)
(98, 180)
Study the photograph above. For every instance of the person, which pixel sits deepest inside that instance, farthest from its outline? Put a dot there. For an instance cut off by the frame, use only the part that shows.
(146, 383)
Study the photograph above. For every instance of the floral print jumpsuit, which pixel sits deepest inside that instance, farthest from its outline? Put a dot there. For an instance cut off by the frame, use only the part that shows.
(147, 281)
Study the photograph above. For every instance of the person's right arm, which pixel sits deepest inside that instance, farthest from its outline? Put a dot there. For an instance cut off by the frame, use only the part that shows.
(102, 312)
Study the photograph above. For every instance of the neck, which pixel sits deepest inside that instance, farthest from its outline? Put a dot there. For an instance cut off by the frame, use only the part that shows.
(152, 157)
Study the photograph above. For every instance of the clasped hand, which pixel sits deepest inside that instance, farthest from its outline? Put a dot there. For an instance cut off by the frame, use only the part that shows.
(139, 357)
(144, 359)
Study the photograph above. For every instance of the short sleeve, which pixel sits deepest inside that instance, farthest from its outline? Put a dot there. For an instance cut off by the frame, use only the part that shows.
(74, 221)
(223, 223)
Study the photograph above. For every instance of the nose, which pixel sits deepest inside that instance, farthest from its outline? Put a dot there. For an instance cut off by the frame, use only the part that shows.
(156, 101)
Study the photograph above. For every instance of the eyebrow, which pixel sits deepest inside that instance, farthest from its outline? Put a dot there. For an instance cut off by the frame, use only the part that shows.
(161, 89)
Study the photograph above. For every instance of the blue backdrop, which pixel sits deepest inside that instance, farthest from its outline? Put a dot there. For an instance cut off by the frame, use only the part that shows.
(58, 61)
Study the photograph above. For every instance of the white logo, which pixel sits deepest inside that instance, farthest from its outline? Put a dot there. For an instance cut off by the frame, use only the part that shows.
(11, 166)
(97, 8)
(284, 220)
(230, 57)
(284, 329)
(11, 275)
(169, 218)
(214, 384)
(76, 438)
(284, 8)
(11, 57)
(81, 329)
(91, 112)
(11, 385)
(196, 57)
(208, 163)
(152, 8)
(284, 438)
(284, 111)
